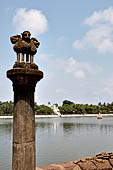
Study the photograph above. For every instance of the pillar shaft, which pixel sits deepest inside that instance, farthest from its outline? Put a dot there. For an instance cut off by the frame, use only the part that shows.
(24, 129)
(24, 82)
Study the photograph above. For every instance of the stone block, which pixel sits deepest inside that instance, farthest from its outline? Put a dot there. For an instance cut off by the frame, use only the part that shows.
(24, 156)
(111, 162)
(67, 165)
(77, 168)
(87, 165)
(79, 160)
(102, 164)
(51, 167)
(98, 162)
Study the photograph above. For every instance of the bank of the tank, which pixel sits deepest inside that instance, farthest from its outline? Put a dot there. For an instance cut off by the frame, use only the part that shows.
(102, 161)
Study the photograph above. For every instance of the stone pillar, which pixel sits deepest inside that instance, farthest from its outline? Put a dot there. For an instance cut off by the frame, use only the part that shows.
(24, 81)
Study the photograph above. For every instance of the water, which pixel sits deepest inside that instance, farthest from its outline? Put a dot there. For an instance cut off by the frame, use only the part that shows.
(61, 139)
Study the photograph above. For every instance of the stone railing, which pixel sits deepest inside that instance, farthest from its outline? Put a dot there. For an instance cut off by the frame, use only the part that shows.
(103, 161)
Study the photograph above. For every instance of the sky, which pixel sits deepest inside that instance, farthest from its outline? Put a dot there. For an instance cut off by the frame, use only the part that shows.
(75, 52)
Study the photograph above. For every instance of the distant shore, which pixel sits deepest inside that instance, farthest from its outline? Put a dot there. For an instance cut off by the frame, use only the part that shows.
(56, 116)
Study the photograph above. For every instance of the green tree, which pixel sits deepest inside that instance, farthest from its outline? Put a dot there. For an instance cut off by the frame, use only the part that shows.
(67, 102)
(6, 108)
(43, 110)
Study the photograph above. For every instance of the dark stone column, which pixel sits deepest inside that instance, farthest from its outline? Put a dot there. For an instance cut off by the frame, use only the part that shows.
(24, 81)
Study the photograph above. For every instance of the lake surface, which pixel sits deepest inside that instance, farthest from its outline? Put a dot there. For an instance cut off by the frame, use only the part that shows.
(61, 139)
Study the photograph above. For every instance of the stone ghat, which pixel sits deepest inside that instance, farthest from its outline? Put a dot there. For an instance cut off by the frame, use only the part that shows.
(102, 161)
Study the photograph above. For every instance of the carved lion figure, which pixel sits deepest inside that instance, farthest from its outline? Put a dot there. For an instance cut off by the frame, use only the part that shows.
(25, 45)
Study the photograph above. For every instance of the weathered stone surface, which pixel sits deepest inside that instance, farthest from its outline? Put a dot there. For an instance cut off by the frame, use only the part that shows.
(77, 168)
(79, 160)
(59, 166)
(89, 158)
(25, 45)
(102, 164)
(52, 167)
(24, 76)
(87, 165)
(111, 154)
(103, 155)
(111, 162)
(101, 161)
(24, 81)
(25, 65)
(67, 165)
(39, 168)
(24, 156)
(24, 128)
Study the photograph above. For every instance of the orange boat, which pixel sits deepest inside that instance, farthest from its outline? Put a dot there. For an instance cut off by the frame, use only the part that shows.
(99, 116)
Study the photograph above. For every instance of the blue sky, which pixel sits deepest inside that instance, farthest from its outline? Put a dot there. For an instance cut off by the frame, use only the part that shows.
(76, 51)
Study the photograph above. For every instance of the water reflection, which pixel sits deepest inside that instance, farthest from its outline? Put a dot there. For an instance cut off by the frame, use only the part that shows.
(55, 127)
(48, 127)
(78, 126)
(82, 128)
(5, 130)
(5, 144)
(65, 139)
(61, 139)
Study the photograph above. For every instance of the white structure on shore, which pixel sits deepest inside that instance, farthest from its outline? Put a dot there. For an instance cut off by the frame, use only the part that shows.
(56, 110)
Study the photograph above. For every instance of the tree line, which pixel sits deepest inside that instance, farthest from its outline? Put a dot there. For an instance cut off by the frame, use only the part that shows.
(68, 107)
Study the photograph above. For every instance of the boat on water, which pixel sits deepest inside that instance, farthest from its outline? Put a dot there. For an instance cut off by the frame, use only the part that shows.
(99, 116)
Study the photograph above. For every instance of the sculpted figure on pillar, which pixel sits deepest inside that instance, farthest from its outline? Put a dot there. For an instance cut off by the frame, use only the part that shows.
(24, 45)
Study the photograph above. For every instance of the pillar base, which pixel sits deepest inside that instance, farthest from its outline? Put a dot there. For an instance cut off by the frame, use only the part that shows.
(24, 156)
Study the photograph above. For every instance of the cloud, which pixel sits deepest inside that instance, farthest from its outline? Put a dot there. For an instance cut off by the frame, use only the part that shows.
(100, 35)
(73, 79)
(77, 69)
(69, 78)
(100, 17)
(32, 20)
(80, 70)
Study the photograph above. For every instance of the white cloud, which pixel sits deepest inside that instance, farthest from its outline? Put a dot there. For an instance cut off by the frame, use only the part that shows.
(94, 18)
(100, 17)
(100, 35)
(32, 20)
(66, 78)
(80, 70)
(72, 79)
